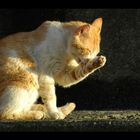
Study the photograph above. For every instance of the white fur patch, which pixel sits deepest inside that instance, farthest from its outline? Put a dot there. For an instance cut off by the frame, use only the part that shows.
(17, 99)
(50, 52)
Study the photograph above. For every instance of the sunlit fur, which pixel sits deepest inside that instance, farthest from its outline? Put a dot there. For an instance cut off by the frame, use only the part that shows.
(31, 63)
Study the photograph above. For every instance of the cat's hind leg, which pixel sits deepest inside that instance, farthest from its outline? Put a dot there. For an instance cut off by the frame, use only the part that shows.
(16, 102)
(29, 115)
(40, 107)
(63, 111)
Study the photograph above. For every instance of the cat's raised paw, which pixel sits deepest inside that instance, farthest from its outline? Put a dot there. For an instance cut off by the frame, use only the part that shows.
(99, 61)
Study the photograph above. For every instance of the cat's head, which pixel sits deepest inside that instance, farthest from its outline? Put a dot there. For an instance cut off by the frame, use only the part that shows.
(85, 41)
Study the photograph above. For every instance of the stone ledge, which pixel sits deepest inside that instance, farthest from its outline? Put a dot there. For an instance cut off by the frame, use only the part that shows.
(80, 121)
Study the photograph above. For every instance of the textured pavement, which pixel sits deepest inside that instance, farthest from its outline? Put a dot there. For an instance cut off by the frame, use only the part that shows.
(80, 121)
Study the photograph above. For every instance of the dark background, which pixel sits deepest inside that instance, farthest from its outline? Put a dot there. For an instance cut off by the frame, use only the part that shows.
(114, 87)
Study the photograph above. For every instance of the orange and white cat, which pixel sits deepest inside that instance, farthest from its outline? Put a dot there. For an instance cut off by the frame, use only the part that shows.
(31, 63)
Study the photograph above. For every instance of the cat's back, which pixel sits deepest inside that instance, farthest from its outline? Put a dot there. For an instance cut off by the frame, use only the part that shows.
(13, 48)
(15, 62)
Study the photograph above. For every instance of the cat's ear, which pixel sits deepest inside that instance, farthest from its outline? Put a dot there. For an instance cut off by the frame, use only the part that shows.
(82, 30)
(97, 24)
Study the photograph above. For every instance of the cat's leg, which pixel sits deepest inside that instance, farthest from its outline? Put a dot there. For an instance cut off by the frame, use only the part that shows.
(16, 102)
(66, 109)
(40, 107)
(47, 93)
(63, 110)
(28, 115)
(84, 69)
(73, 75)
(93, 65)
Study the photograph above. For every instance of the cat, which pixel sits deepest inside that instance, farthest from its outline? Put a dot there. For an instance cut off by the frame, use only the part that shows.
(31, 63)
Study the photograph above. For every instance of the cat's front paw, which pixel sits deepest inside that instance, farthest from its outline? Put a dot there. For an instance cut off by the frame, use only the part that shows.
(63, 111)
(57, 115)
(99, 61)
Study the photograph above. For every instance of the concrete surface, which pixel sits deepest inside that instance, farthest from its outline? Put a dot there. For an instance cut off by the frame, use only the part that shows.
(80, 121)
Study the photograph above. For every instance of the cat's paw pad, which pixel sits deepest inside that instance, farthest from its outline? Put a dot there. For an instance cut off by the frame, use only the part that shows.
(102, 60)
(99, 61)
